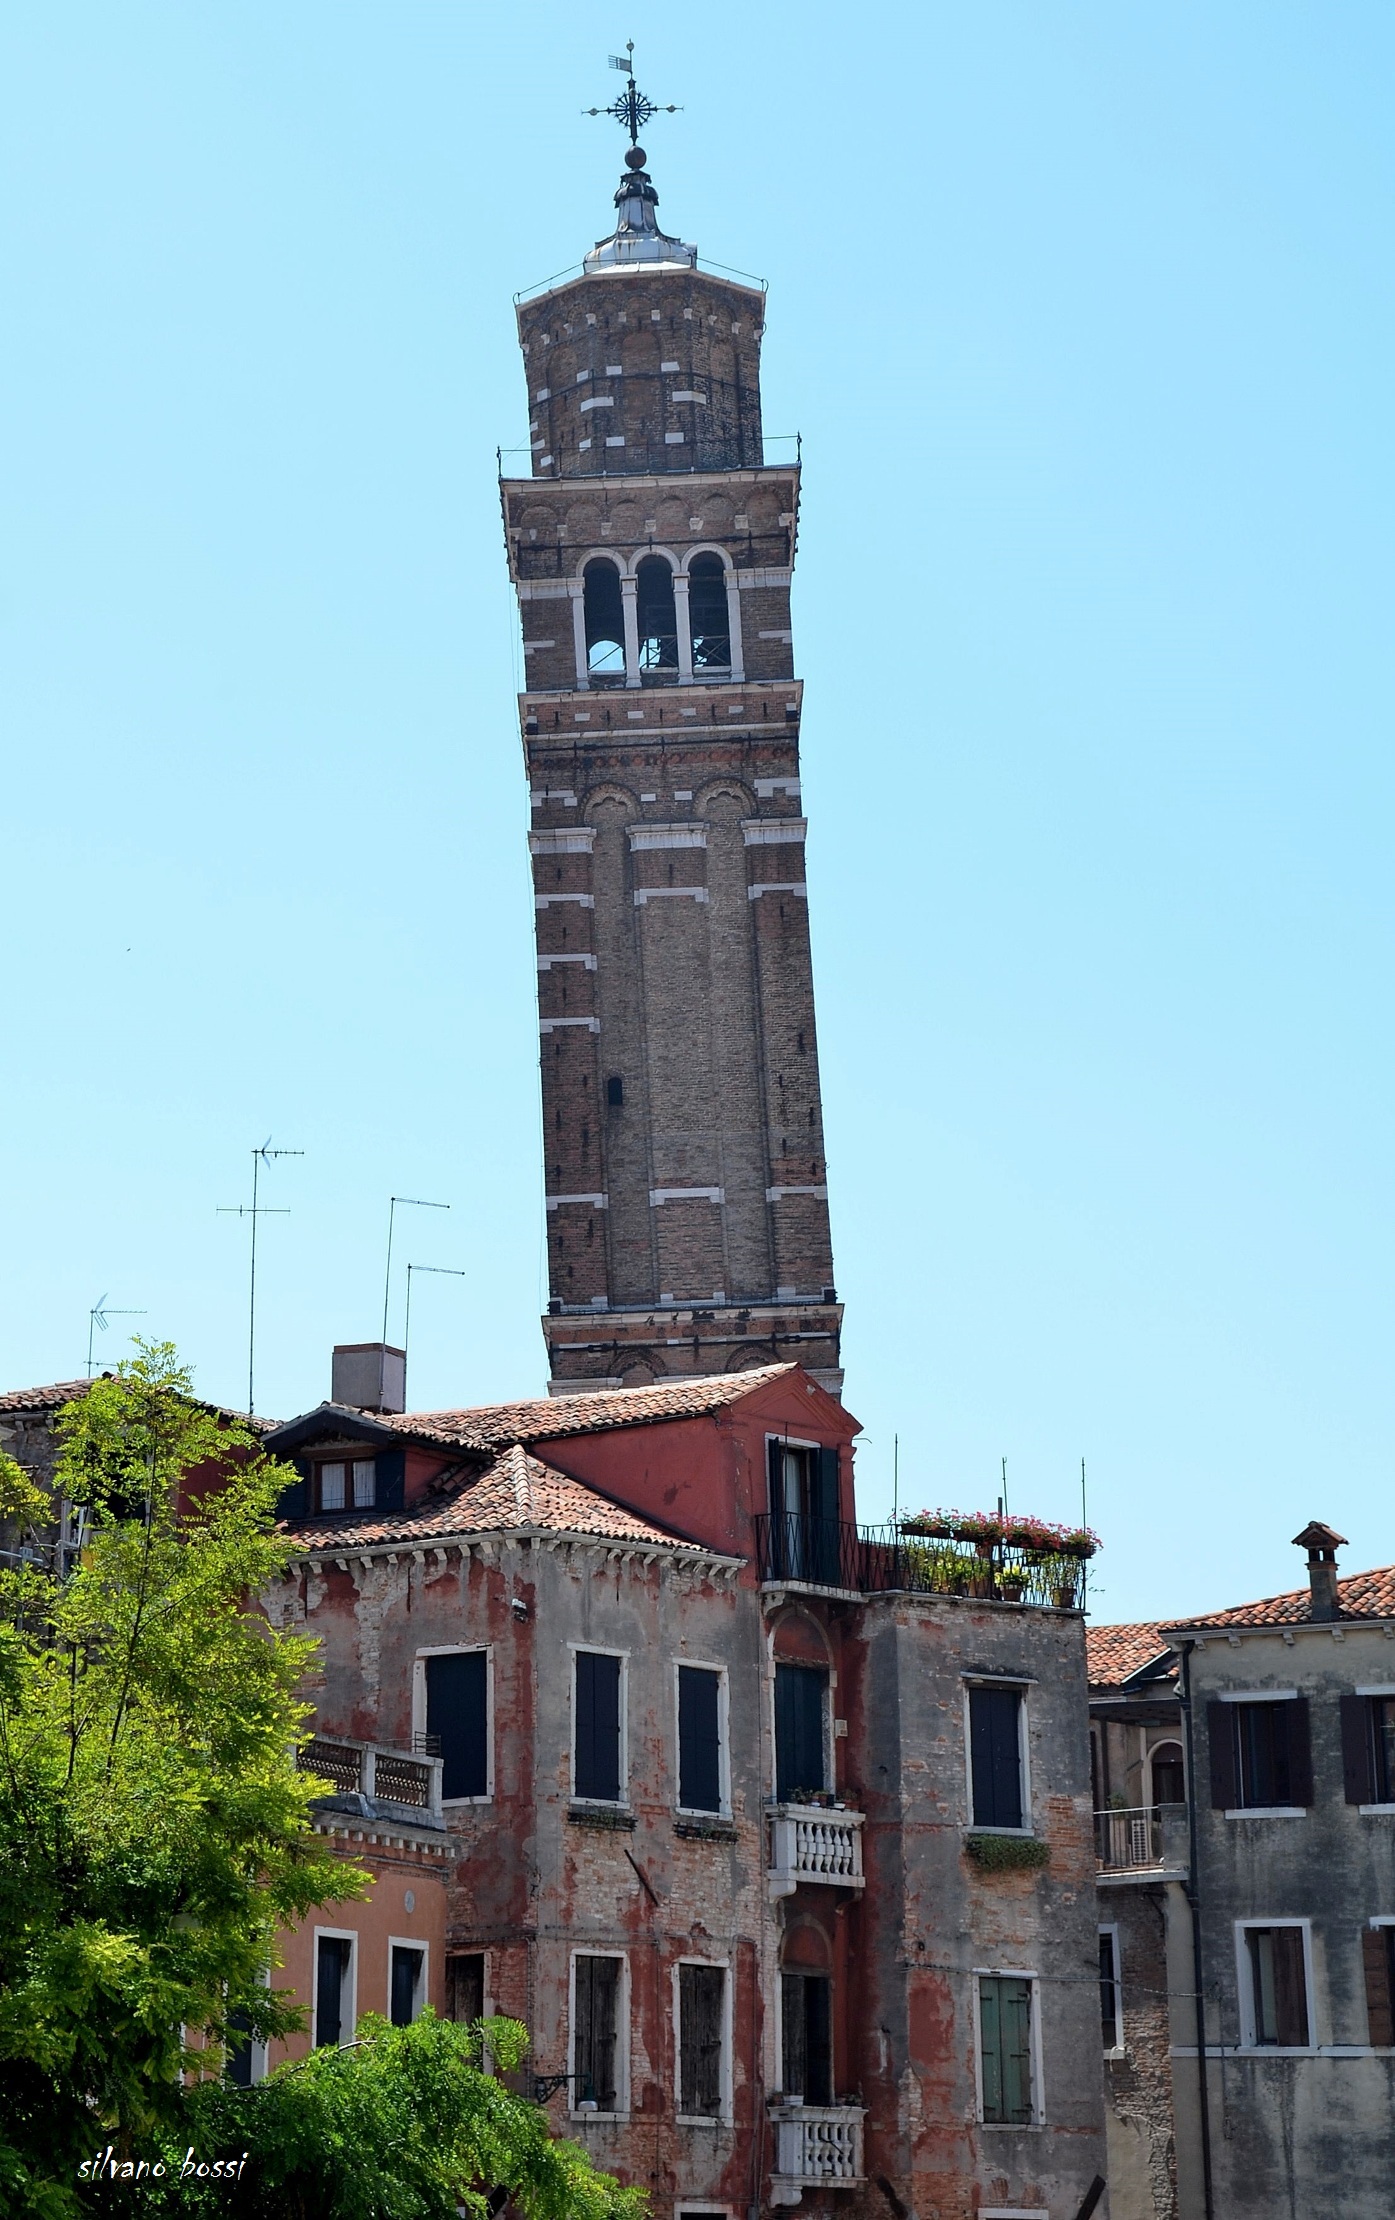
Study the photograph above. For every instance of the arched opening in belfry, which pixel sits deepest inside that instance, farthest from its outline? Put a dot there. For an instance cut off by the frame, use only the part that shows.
(605, 620)
(658, 620)
(707, 613)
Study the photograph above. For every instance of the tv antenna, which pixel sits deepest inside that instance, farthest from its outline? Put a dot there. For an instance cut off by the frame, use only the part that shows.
(444, 1271)
(97, 1320)
(254, 1210)
(396, 1203)
(631, 109)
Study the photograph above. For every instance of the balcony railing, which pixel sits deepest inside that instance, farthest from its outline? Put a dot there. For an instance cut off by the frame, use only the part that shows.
(1146, 1839)
(387, 1776)
(818, 2143)
(877, 1560)
(809, 1843)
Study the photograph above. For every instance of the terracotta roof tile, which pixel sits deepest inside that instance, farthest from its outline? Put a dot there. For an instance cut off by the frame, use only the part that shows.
(1366, 1595)
(1113, 1654)
(58, 1392)
(550, 1417)
(518, 1494)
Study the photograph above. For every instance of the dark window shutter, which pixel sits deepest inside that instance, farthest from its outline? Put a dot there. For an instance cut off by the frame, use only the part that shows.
(597, 1994)
(1220, 1733)
(402, 1993)
(1376, 1954)
(1356, 1750)
(793, 2031)
(995, 1756)
(390, 1479)
(775, 1472)
(799, 1736)
(457, 1712)
(700, 1997)
(825, 1503)
(699, 1750)
(295, 1500)
(1290, 1988)
(332, 1965)
(1300, 1751)
(598, 1727)
(818, 2040)
(465, 1986)
(1016, 2012)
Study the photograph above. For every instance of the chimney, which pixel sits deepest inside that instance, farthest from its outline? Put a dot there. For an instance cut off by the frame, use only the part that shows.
(369, 1376)
(1322, 1545)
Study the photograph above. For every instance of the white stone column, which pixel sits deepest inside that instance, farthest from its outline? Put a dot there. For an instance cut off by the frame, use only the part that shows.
(738, 668)
(685, 628)
(577, 589)
(629, 601)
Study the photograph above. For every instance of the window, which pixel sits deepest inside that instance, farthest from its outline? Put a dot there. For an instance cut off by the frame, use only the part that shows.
(1368, 1747)
(406, 1982)
(1005, 2049)
(1274, 1987)
(348, 1482)
(465, 1985)
(246, 2055)
(699, 1738)
(701, 2029)
(804, 1530)
(806, 2036)
(1378, 1956)
(597, 1984)
(1111, 1996)
(707, 613)
(658, 620)
(1169, 1774)
(596, 1767)
(995, 1755)
(457, 1719)
(1260, 1758)
(801, 1759)
(615, 1092)
(335, 2015)
(605, 621)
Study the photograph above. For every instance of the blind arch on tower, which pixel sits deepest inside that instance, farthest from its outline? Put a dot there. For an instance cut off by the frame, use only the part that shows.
(605, 618)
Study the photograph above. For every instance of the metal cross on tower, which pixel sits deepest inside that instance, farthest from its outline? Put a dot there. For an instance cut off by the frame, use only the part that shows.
(632, 108)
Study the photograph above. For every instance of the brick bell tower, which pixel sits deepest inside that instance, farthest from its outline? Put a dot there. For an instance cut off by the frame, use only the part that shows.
(652, 549)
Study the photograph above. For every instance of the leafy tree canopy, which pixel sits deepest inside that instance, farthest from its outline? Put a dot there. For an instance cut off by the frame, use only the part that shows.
(154, 1829)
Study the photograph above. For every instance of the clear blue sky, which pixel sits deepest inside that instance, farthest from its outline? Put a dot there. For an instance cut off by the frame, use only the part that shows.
(1084, 312)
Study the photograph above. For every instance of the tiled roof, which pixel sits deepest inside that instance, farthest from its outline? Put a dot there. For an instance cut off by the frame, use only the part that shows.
(1113, 1654)
(1366, 1595)
(518, 1494)
(550, 1417)
(59, 1392)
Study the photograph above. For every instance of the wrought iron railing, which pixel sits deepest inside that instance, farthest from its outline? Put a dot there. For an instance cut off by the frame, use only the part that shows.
(876, 1560)
(1149, 1835)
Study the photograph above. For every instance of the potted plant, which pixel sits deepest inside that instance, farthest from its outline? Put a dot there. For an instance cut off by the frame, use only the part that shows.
(935, 1526)
(1078, 1541)
(1011, 1586)
(982, 1528)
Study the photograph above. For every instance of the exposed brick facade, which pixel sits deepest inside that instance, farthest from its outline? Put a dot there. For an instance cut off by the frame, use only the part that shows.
(685, 1171)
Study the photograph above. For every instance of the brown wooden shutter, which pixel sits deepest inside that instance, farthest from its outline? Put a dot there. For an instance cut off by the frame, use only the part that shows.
(1375, 1952)
(1220, 1733)
(1300, 1750)
(1356, 1750)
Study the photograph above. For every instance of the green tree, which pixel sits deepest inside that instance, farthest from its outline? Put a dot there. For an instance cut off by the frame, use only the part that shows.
(154, 1829)
(403, 2125)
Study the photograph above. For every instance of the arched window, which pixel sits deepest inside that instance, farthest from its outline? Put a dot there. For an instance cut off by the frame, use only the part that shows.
(707, 613)
(605, 622)
(658, 623)
(1169, 1774)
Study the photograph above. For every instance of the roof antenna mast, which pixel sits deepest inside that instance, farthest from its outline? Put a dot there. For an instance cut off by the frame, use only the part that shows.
(254, 1210)
(97, 1319)
(445, 1271)
(396, 1203)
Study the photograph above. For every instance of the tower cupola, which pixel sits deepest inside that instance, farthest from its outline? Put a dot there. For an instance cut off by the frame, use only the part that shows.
(637, 241)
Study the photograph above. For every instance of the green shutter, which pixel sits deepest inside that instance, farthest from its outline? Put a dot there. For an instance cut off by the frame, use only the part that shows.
(991, 2048)
(1016, 2020)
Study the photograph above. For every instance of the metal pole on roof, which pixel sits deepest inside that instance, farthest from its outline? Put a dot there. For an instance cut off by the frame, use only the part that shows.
(444, 1271)
(266, 1154)
(97, 1317)
(407, 1202)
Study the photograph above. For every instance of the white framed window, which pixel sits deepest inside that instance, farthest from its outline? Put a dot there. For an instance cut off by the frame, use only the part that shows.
(700, 1712)
(600, 1725)
(598, 2034)
(1007, 2047)
(453, 1717)
(1274, 1964)
(998, 1777)
(408, 1979)
(1111, 1993)
(702, 2039)
(247, 2055)
(334, 2011)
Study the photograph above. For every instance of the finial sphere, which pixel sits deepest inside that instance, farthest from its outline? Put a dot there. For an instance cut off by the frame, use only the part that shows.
(636, 157)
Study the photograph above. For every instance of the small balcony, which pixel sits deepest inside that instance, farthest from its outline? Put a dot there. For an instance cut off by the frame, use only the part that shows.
(817, 2146)
(794, 1551)
(1148, 1843)
(813, 1843)
(371, 1776)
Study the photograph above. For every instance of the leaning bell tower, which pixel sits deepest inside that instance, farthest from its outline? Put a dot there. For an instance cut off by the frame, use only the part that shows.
(652, 548)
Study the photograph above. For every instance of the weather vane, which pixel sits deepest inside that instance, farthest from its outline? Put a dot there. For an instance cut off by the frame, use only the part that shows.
(632, 109)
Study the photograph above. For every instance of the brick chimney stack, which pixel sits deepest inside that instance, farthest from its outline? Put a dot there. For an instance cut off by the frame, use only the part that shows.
(1322, 1545)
